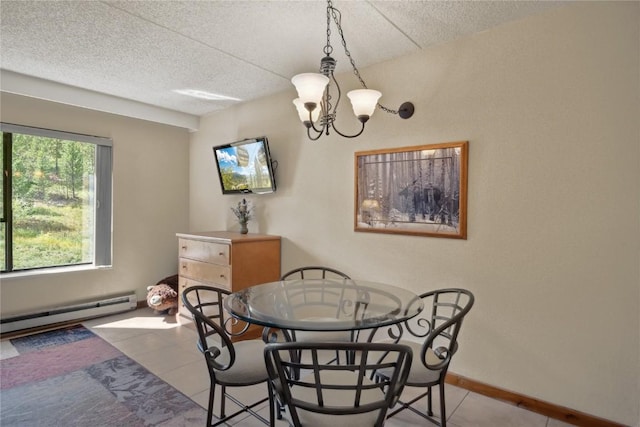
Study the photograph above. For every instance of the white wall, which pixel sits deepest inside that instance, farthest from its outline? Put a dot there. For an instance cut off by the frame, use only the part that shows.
(150, 204)
(550, 106)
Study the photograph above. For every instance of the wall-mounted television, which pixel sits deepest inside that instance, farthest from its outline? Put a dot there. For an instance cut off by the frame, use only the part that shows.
(246, 167)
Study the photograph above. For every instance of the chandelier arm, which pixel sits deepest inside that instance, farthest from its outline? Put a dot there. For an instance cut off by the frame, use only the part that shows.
(348, 136)
(313, 126)
(317, 137)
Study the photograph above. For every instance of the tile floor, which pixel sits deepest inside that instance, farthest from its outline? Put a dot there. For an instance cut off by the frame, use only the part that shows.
(167, 348)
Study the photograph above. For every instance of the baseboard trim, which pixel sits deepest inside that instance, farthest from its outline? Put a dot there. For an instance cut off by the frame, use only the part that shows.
(544, 408)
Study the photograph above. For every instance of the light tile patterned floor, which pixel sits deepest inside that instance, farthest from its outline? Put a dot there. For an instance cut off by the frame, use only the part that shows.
(168, 349)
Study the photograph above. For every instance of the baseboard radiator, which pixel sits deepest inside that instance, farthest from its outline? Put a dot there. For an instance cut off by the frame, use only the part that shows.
(85, 310)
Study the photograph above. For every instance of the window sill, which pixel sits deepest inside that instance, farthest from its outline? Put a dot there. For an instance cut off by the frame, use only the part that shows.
(49, 271)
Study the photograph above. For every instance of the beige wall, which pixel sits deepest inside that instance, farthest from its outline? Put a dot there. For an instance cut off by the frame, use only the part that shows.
(550, 106)
(150, 204)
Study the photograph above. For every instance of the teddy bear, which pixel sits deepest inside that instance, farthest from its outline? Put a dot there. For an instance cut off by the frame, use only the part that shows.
(163, 296)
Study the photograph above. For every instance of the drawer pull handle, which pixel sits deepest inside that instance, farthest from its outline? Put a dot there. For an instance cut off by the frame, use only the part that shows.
(222, 275)
(220, 253)
(184, 266)
(184, 248)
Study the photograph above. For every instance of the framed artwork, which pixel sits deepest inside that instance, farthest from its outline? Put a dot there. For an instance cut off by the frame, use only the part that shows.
(418, 191)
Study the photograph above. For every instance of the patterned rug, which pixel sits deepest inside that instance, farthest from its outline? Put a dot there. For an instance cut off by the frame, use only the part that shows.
(71, 377)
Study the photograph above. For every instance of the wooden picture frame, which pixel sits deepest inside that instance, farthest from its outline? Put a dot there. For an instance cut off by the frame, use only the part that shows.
(419, 191)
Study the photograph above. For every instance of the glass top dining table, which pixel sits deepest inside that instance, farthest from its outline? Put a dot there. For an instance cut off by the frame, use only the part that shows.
(323, 304)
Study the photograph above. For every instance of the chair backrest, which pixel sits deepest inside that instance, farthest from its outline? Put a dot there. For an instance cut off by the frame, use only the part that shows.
(316, 300)
(437, 326)
(445, 309)
(205, 305)
(314, 272)
(325, 388)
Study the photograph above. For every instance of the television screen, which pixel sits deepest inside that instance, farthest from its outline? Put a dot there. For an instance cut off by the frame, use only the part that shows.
(245, 167)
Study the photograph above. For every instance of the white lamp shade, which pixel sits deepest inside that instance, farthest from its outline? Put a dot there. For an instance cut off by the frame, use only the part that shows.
(303, 113)
(364, 101)
(310, 86)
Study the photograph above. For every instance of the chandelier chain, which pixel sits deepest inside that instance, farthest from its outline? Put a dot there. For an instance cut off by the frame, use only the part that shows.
(337, 18)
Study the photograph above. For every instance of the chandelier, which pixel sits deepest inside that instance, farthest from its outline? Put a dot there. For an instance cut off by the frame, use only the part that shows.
(317, 106)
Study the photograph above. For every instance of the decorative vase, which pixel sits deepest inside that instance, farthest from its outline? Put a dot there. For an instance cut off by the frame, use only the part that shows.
(243, 228)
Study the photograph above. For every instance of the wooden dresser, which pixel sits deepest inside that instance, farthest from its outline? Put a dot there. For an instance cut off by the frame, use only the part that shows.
(225, 259)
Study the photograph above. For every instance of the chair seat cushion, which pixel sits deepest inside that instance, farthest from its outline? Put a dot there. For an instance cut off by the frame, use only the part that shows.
(248, 368)
(321, 336)
(336, 399)
(420, 375)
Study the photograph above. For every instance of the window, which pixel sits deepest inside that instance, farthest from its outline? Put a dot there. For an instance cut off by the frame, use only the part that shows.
(56, 199)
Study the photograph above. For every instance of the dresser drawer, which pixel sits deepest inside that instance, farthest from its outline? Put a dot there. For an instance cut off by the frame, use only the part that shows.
(215, 253)
(185, 282)
(214, 274)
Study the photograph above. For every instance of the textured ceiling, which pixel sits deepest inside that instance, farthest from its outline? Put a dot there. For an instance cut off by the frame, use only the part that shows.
(145, 50)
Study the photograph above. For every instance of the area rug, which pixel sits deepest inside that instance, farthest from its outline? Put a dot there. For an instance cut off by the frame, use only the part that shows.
(72, 377)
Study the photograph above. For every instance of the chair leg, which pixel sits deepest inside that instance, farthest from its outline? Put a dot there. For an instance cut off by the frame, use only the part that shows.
(429, 404)
(279, 407)
(272, 403)
(296, 356)
(443, 412)
(212, 393)
(223, 394)
(351, 357)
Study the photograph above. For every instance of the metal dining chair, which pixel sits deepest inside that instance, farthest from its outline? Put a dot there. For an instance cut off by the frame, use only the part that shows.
(318, 272)
(433, 337)
(329, 394)
(230, 364)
